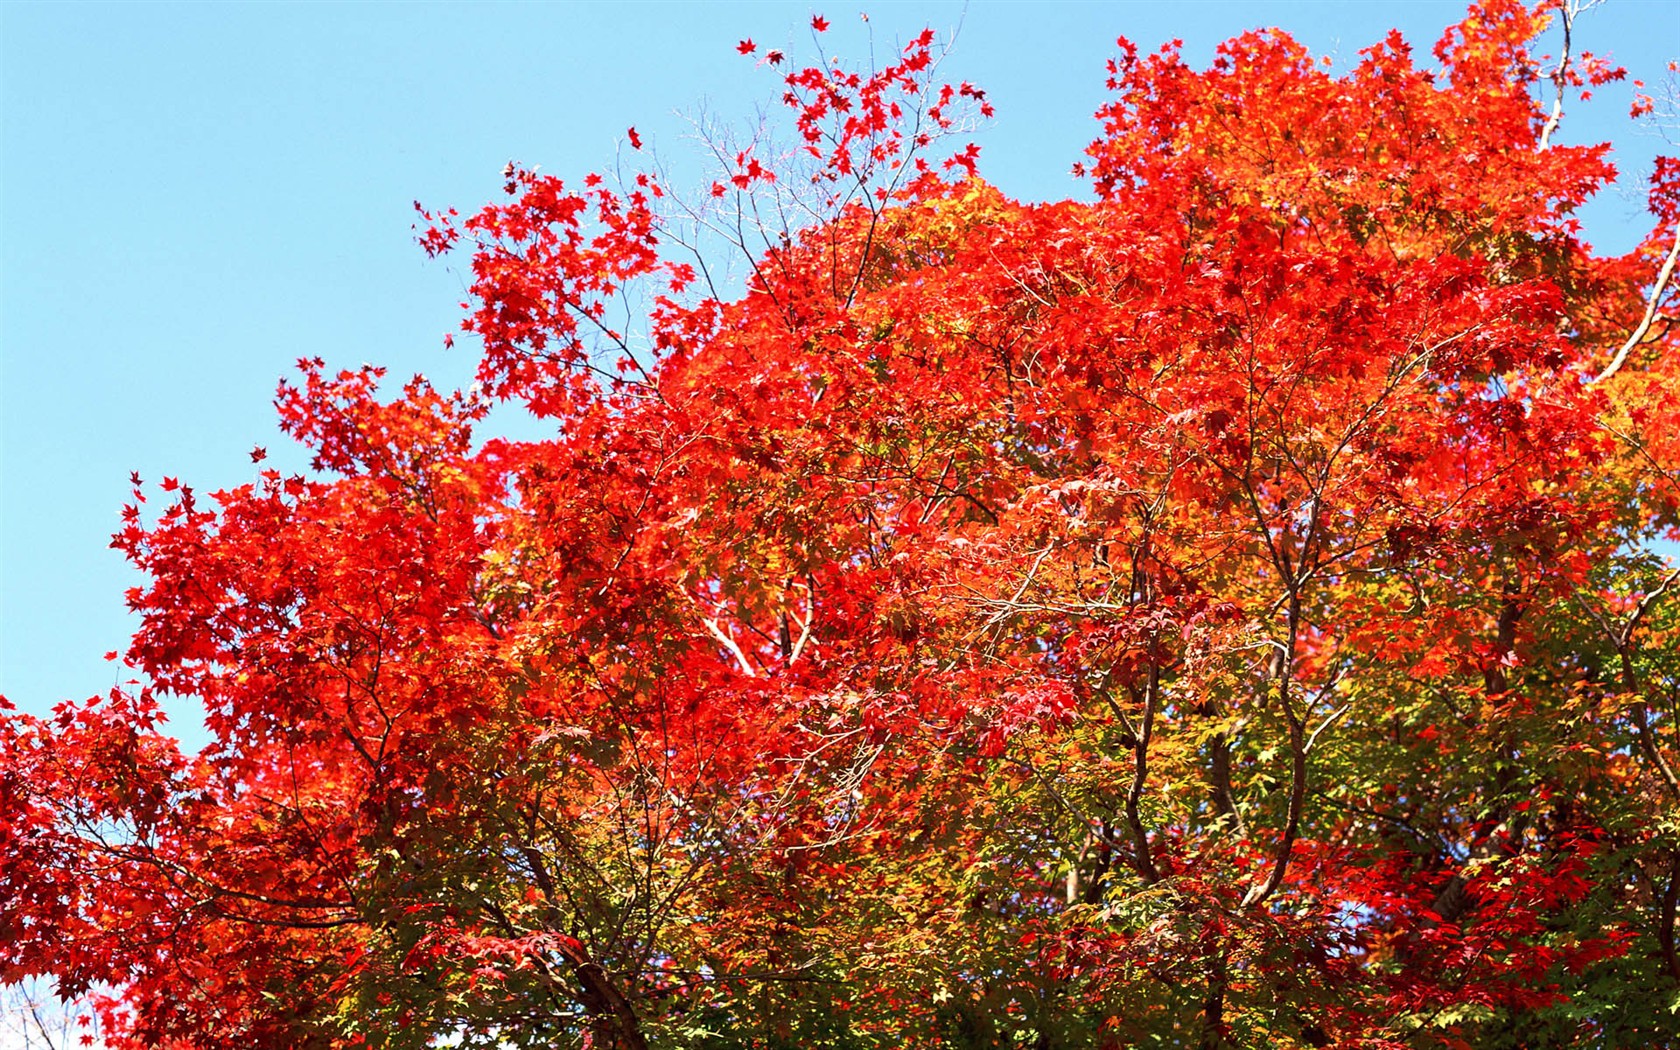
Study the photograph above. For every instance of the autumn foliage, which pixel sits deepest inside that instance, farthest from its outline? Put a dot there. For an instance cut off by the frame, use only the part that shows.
(1224, 611)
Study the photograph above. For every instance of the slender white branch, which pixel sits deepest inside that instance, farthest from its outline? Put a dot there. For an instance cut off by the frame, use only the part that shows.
(1568, 10)
(1014, 602)
(804, 630)
(1329, 720)
(1651, 303)
(729, 643)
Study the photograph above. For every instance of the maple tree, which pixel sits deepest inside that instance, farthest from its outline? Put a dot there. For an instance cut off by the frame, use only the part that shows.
(1220, 612)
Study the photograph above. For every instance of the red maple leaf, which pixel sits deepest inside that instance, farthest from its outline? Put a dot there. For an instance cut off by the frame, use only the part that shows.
(746, 47)
(635, 139)
(819, 23)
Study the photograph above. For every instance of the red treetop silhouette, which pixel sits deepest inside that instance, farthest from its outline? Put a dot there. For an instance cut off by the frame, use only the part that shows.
(1222, 612)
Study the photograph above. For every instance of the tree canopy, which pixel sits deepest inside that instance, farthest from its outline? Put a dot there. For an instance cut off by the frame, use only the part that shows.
(1227, 610)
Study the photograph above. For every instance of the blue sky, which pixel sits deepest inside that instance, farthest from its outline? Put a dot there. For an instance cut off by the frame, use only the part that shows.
(193, 196)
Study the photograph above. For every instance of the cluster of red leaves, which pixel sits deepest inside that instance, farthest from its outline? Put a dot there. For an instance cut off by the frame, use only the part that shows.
(1220, 612)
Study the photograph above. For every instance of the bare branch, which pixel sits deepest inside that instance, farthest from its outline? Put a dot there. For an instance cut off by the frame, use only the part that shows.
(729, 643)
(1651, 302)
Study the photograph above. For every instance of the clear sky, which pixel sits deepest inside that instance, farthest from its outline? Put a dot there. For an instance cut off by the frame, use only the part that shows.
(192, 196)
